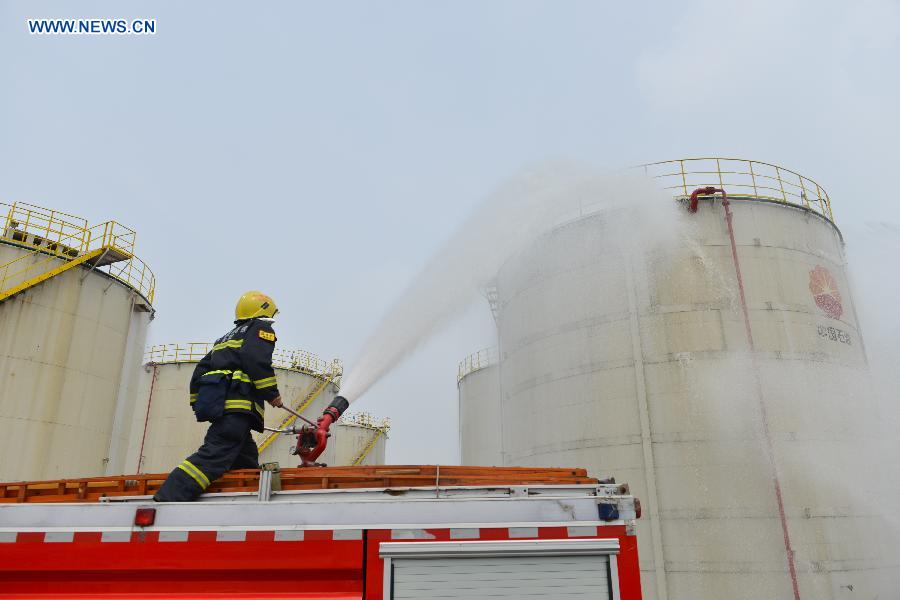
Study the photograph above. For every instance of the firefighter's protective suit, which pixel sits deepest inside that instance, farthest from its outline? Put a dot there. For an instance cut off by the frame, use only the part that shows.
(229, 388)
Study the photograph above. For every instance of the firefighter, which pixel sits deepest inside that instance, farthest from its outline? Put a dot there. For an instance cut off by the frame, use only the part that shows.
(229, 388)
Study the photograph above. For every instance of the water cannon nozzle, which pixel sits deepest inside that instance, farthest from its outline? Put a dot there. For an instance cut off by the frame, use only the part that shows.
(340, 404)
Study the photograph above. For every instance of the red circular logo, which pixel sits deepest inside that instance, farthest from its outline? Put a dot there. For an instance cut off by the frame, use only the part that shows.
(824, 289)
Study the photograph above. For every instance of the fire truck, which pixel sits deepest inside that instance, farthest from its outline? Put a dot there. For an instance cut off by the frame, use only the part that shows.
(325, 532)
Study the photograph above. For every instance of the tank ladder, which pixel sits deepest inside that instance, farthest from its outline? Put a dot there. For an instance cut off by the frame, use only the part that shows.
(327, 378)
(95, 258)
(365, 451)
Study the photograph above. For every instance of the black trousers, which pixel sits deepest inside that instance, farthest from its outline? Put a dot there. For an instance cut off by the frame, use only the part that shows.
(228, 445)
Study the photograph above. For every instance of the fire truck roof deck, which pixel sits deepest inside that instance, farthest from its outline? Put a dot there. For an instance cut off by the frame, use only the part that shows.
(366, 532)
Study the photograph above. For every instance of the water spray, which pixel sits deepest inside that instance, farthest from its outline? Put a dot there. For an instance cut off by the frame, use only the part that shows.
(506, 222)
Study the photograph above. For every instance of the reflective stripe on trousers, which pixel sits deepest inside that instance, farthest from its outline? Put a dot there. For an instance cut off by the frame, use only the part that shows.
(195, 473)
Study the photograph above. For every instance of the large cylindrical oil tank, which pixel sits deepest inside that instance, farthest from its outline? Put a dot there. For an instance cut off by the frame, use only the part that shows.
(75, 304)
(743, 437)
(478, 380)
(164, 431)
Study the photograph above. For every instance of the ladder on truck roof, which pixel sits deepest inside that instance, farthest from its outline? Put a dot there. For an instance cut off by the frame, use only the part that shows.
(96, 489)
(57, 242)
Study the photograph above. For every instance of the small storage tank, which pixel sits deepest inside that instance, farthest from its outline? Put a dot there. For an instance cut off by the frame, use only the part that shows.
(75, 303)
(359, 439)
(743, 438)
(164, 431)
(478, 380)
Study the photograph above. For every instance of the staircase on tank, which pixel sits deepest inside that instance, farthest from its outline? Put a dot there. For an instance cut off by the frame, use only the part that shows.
(60, 242)
(96, 258)
(365, 451)
(326, 378)
(378, 430)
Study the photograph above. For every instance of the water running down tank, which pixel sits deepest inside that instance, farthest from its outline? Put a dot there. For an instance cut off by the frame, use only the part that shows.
(630, 356)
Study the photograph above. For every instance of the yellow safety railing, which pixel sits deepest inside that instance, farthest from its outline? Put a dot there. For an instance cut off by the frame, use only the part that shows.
(741, 178)
(135, 274)
(292, 360)
(161, 354)
(367, 420)
(61, 235)
(482, 359)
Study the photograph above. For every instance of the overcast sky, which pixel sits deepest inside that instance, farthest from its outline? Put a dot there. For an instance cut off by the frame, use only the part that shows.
(321, 151)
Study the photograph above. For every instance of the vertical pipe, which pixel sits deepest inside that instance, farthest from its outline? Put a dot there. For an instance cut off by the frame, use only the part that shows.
(147, 419)
(646, 433)
(770, 449)
(126, 398)
(501, 399)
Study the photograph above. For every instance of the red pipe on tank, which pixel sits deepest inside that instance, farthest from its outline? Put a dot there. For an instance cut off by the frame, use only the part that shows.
(146, 420)
(704, 191)
(764, 413)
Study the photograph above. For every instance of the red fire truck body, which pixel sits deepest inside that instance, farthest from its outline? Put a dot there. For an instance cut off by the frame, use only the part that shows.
(448, 541)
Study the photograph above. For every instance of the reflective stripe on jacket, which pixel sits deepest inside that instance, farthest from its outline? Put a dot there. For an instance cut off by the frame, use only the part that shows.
(244, 355)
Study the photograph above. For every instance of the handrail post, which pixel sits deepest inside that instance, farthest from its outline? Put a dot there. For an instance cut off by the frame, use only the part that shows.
(25, 226)
(803, 191)
(9, 214)
(781, 184)
(753, 177)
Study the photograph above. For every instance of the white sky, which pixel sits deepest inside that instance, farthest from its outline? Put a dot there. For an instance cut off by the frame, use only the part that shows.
(322, 151)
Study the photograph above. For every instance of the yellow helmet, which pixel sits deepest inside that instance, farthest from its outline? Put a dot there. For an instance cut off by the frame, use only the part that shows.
(254, 304)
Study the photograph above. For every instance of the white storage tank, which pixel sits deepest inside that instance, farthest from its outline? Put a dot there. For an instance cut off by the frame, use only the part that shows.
(359, 439)
(75, 303)
(478, 381)
(640, 365)
(164, 431)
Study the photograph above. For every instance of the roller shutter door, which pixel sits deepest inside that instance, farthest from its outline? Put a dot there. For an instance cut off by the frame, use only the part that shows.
(497, 578)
